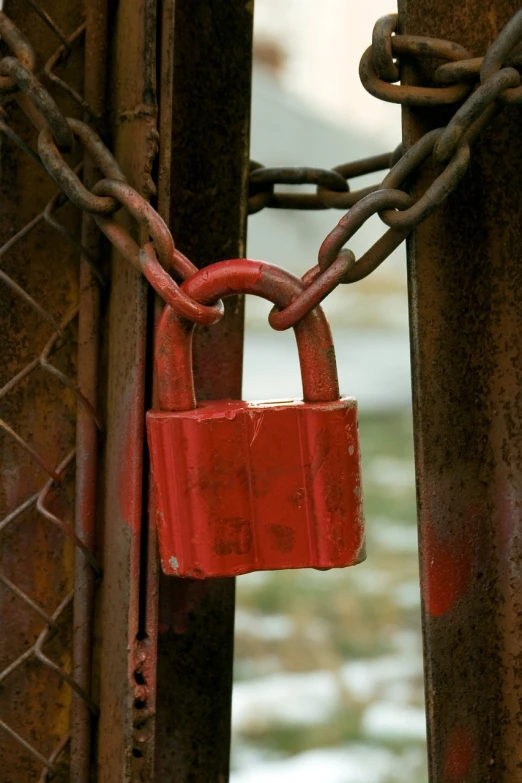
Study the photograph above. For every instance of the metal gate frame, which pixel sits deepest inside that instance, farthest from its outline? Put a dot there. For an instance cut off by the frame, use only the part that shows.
(159, 635)
(109, 513)
(465, 274)
(89, 624)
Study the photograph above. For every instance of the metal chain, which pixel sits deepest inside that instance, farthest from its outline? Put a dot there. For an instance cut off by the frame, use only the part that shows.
(449, 147)
(487, 84)
(333, 189)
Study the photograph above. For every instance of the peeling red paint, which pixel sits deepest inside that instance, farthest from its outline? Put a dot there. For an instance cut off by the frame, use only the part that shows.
(227, 498)
(459, 755)
(233, 536)
(448, 564)
(283, 537)
(189, 593)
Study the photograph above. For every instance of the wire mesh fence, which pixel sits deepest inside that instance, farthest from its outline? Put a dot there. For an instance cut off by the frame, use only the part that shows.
(40, 301)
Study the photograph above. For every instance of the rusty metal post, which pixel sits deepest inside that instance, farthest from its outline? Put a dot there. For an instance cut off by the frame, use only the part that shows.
(126, 647)
(465, 270)
(87, 435)
(205, 111)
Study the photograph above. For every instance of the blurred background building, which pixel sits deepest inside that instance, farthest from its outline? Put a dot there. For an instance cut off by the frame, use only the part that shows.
(328, 668)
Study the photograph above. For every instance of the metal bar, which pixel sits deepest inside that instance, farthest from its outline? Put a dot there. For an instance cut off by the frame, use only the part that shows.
(86, 428)
(209, 108)
(126, 730)
(465, 276)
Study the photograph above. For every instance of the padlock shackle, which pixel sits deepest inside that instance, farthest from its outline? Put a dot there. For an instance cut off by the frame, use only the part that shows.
(173, 348)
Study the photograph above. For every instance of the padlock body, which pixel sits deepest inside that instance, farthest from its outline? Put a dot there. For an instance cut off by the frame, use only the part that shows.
(243, 486)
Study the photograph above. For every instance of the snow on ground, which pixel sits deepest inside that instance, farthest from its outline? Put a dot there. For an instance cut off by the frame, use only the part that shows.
(407, 595)
(311, 697)
(270, 627)
(389, 720)
(352, 764)
(358, 764)
(393, 536)
(371, 581)
(284, 698)
(393, 474)
(275, 627)
(367, 679)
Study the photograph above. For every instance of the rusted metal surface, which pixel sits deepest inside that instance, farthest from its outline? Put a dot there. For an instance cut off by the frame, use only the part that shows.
(87, 514)
(156, 256)
(408, 94)
(333, 189)
(40, 547)
(373, 204)
(212, 49)
(317, 284)
(126, 684)
(40, 99)
(465, 266)
(67, 179)
(20, 46)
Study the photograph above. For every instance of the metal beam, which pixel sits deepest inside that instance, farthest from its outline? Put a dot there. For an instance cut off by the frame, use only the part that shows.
(126, 652)
(465, 276)
(208, 109)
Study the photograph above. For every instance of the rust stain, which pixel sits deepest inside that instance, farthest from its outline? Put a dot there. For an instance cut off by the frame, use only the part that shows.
(129, 485)
(448, 566)
(283, 537)
(459, 755)
(233, 536)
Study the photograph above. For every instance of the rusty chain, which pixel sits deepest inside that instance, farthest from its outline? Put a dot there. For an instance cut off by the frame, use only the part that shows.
(485, 85)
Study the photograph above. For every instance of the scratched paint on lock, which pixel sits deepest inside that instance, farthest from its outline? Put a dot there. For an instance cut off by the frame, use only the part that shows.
(253, 486)
(256, 486)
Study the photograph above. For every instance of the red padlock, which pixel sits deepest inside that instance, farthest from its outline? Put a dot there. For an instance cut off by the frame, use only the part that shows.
(253, 486)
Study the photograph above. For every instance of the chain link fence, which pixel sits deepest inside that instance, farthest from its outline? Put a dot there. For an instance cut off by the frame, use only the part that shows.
(40, 255)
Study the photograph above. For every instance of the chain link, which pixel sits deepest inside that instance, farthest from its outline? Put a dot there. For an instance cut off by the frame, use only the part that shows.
(416, 47)
(450, 146)
(486, 83)
(40, 99)
(333, 189)
(20, 47)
